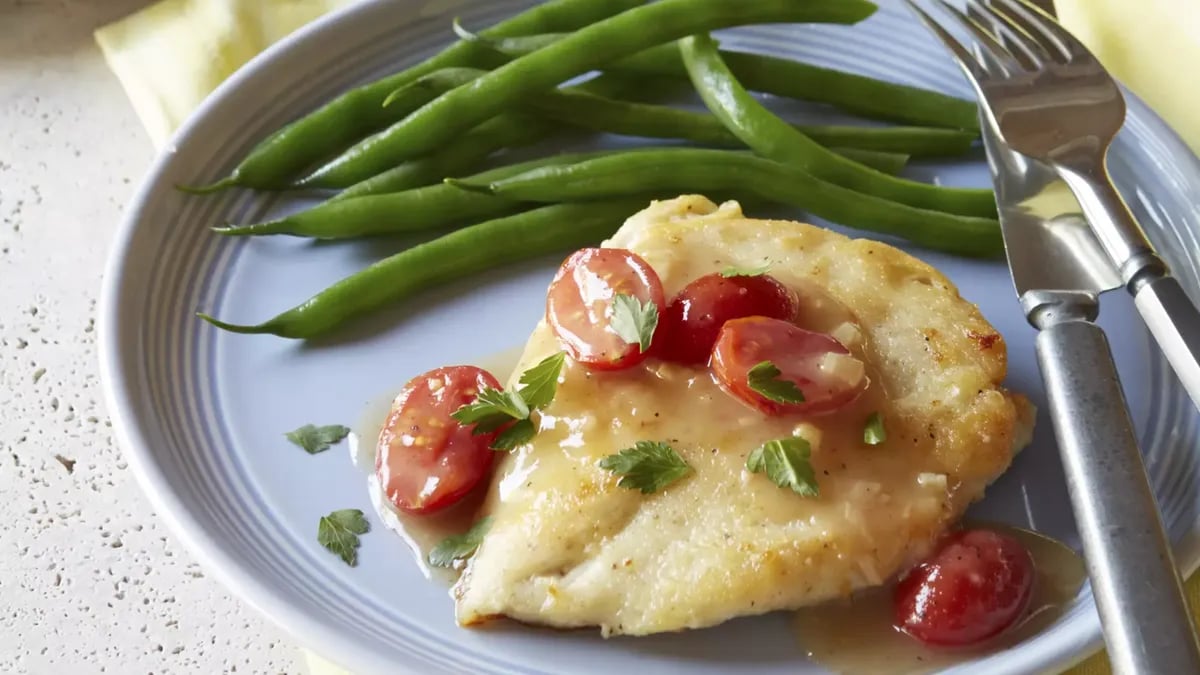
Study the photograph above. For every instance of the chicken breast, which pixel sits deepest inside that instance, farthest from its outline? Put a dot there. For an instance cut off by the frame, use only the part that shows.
(568, 547)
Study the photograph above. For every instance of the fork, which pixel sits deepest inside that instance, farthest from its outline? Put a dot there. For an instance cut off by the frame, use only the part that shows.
(1045, 97)
(1052, 101)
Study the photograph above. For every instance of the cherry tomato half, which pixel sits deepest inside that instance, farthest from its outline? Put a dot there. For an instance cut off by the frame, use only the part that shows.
(820, 366)
(695, 316)
(977, 584)
(425, 459)
(579, 304)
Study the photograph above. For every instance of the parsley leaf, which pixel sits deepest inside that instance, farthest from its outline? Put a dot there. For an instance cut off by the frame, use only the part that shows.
(761, 379)
(786, 462)
(541, 381)
(505, 402)
(316, 439)
(459, 546)
(649, 466)
(874, 432)
(633, 321)
(492, 409)
(518, 434)
(339, 532)
(733, 271)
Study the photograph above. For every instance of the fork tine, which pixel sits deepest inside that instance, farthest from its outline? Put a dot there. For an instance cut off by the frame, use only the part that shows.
(973, 68)
(995, 54)
(1027, 50)
(1031, 20)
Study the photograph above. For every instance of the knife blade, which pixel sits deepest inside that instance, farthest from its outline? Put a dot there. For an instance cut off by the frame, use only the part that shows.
(1049, 245)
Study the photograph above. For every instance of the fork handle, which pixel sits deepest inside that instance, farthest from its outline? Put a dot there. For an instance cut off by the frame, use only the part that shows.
(1175, 325)
(1170, 315)
(1147, 625)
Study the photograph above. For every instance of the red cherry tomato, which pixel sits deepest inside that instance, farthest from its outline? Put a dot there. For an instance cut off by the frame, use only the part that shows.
(425, 459)
(977, 584)
(579, 304)
(801, 357)
(695, 316)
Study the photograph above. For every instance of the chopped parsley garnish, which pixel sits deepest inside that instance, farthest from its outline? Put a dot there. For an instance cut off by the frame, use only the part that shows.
(316, 439)
(518, 434)
(459, 546)
(874, 432)
(732, 271)
(339, 532)
(540, 383)
(648, 466)
(762, 378)
(786, 462)
(494, 408)
(633, 321)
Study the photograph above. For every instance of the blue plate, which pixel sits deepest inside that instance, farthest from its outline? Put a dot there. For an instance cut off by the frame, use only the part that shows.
(201, 413)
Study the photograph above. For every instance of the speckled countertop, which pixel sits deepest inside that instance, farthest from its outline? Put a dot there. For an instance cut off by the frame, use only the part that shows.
(91, 581)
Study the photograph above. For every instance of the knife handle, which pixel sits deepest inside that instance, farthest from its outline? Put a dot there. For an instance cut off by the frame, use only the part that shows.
(1147, 625)
(1175, 325)
(1172, 318)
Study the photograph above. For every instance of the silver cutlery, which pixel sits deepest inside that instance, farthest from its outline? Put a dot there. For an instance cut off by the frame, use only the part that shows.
(1054, 102)
(1045, 97)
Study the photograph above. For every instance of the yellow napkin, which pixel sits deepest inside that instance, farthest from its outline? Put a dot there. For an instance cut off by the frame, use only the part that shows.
(1150, 45)
(170, 55)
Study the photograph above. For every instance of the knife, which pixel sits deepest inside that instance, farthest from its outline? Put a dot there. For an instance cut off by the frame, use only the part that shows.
(1059, 269)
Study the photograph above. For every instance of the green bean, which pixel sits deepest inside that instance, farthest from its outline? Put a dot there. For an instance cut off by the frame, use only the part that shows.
(890, 163)
(510, 130)
(856, 94)
(681, 170)
(461, 156)
(580, 108)
(602, 42)
(284, 155)
(773, 138)
(440, 81)
(577, 107)
(608, 115)
(494, 243)
(423, 208)
(916, 142)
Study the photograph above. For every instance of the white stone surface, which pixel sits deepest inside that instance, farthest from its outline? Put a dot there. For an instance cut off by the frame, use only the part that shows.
(90, 580)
